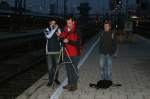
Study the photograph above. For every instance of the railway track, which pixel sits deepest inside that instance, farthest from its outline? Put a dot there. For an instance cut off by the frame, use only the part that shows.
(20, 81)
(22, 62)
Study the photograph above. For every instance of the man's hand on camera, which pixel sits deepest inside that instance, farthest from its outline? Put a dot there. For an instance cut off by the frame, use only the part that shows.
(56, 26)
(66, 41)
(58, 33)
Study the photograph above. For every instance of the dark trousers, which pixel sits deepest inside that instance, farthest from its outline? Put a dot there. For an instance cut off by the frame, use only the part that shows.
(52, 65)
(72, 70)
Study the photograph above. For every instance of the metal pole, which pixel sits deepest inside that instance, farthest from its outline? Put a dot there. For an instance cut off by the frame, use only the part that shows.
(24, 4)
(127, 8)
(103, 6)
(65, 7)
(57, 6)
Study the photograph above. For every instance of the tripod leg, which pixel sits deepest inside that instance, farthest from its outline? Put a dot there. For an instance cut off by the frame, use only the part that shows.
(75, 69)
(71, 62)
(62, 53)
(57, 66)
(60, 56)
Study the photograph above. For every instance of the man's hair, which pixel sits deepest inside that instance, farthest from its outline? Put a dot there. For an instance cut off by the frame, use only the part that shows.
(107, 22)
(53, 19)
(71, 17)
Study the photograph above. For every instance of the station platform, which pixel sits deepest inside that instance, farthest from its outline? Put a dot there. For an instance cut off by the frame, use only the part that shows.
(131, 68)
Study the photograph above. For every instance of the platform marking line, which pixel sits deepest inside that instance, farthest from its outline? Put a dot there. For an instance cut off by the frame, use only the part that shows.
(59, 90)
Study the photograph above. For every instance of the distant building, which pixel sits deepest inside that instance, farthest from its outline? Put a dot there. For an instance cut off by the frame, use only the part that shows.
(41, 6)
(97, 6)
(124, 5)
(4, 5)
(143, 8)
(52, 9)
(47, 6)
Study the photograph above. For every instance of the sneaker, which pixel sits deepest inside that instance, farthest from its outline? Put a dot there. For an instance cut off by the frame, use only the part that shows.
(49, 84)
(57, 82)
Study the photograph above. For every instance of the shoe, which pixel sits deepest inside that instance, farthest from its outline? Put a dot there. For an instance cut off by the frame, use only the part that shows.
(66, 86)
(49, 84)
(73, 88)
(57, 82)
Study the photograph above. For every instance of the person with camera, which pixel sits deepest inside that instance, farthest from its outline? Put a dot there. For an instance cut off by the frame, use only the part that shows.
(52, 51)
(71, 44)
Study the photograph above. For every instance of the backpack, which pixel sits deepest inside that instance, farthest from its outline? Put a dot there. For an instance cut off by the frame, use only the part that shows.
(104, 84)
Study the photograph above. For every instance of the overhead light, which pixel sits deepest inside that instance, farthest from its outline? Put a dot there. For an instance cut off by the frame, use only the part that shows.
(9, 16)
(134, 17)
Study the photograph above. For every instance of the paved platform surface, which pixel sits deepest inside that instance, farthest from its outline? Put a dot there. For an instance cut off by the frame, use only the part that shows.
(131, 68)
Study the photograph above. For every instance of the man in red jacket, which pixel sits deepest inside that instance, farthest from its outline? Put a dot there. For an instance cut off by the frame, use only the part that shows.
(71, 44)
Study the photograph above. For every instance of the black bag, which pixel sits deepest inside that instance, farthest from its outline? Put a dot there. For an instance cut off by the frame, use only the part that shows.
(104, 84)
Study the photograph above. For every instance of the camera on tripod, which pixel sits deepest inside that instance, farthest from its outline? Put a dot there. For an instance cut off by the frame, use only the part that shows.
(61, 40)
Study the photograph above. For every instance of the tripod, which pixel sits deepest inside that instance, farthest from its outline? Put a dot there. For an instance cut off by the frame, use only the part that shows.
(61, 61)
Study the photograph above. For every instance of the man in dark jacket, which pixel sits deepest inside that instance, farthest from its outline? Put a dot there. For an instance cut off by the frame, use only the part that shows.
(52, 50)
(107, 47)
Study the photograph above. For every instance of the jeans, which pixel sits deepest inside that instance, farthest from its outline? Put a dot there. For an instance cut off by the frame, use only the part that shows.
(72, 70)
(106, 67)
(52, 66)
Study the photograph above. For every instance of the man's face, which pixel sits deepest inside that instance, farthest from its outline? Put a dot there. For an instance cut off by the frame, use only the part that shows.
(107, 27)
(52, 23)
(70, 23)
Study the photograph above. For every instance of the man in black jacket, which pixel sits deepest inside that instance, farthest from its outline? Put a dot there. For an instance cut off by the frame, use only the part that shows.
(52, 50)
(107, 47)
